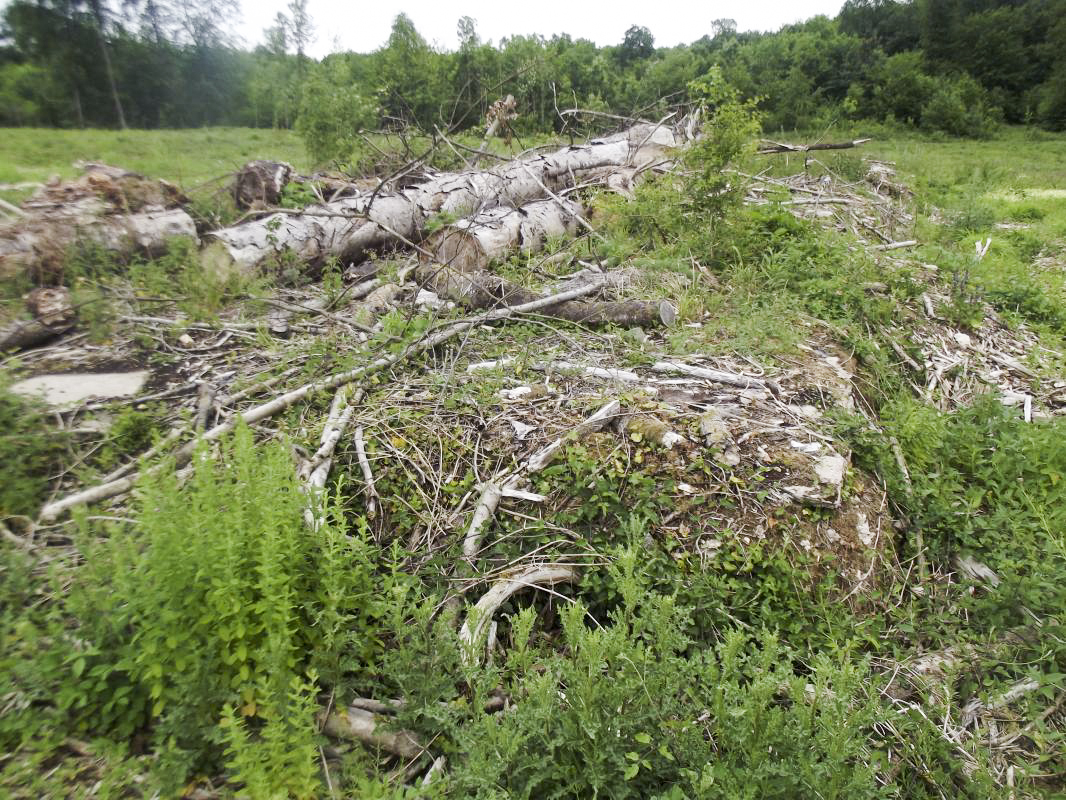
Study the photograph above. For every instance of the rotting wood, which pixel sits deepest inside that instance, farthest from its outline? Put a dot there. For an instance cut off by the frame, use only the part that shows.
(374, 220)
(478, 618)
(54, 315)
(121, 211)
(259, 184)
(55, 509)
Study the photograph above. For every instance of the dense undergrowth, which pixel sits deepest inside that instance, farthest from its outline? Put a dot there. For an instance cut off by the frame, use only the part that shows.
(188, 642)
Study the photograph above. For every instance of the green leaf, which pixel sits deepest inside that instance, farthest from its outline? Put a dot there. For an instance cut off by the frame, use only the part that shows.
(643, 738)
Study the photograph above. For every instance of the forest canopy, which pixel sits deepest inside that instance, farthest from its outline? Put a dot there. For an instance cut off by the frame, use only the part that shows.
(953, 66)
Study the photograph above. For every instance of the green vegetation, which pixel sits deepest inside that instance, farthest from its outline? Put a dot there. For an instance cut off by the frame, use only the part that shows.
(190, 640)
(186, 157)
(955, 67)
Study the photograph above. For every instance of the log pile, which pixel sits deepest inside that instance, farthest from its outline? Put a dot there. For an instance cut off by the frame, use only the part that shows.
(118, 210)
(350, 228)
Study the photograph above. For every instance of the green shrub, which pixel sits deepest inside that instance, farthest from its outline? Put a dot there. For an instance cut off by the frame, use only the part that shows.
(729, 132)
(626, 712)
(31, 450)
(332, 112)
(217, 605)
(959, 106)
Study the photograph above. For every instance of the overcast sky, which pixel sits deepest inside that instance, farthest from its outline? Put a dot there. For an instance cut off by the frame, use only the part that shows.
(364, 26)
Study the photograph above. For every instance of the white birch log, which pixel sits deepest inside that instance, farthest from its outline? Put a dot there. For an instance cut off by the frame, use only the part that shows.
(121, 211)
(362, 726)
(349, 228)
(475, 242)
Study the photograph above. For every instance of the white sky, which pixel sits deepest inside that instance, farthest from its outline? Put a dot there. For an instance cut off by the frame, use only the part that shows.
(364, 26)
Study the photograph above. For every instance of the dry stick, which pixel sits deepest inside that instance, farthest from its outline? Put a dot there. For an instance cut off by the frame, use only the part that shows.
(784, 147)
(94, 494)
(493, 491)
(482, 612)
(895, 245)
(717, 376)
(368, 476)
(314, 471)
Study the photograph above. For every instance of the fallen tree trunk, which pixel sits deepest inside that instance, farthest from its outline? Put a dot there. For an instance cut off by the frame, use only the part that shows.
(121, 211)
(374, 220)
(457, 258)
(475, 242)
(481, 289)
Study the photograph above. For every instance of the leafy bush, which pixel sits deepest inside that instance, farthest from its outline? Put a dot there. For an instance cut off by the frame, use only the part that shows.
(901, 87)
(1051, 101)
(627, 712)
(332, 112)
(217, 605)
(31, 452)
(959, 106)
(729, 132)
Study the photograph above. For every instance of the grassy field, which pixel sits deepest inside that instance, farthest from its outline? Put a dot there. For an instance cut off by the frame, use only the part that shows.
(186, 157)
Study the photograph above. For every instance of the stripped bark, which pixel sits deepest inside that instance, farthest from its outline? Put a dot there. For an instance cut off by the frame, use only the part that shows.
(373, 220)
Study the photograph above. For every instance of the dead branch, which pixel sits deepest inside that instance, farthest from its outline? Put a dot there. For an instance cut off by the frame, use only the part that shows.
(481, 289)
(479, 617)
(493, 491)
(717, 376)
(315, 471)
(362, 726)
(368, 475)
(785, 147)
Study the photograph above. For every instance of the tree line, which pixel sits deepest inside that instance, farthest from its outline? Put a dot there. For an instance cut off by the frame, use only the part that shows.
(957, 66)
